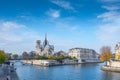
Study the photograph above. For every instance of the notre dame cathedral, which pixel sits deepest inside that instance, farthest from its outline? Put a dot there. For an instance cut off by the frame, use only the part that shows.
(44, 49)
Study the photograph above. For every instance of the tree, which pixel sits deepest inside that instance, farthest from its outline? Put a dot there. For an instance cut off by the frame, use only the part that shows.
(68, 57)
(118, 57)
(61, 56)
(51, 57)
(105, 53)
(15, 56)
(2, 56)
(8, 56)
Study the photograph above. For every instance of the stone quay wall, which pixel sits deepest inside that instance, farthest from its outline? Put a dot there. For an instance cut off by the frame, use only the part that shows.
(41, 62)
(112, 69)
(55, 62)
(115, 64)
(112, 66)
(49, 62)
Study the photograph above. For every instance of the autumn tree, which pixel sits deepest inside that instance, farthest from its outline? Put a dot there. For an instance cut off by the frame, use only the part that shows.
(118, 57)
(105, 53)
(2, 56)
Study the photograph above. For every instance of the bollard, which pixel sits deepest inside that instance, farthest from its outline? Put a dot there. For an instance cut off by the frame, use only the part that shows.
(8, 77)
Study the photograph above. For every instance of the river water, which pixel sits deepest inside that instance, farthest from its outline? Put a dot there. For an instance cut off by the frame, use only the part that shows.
(66, 72)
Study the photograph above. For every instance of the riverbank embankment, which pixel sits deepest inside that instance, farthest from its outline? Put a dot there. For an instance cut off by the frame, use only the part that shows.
(112, 69)
(54, 62)
(113, 66)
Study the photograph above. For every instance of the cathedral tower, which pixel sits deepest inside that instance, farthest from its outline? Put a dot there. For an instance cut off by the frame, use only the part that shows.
(117, 51)
(38, 49)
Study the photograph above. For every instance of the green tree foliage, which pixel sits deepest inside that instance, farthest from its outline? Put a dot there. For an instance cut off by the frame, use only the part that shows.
(2, 56)
(15, 56)
(51, 57)
(40, 57)
(61, 56)
(68, 57)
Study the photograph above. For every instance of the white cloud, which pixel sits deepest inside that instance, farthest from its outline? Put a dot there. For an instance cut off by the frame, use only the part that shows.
(109, 29)
(8, 31)
(63, 4)
(112, 7)
(64, 26)
(110, 1)
(16, 38)
(109, 16)
(53, 13)
(4, 26)
(112, 15)
(11, 25)
(109, 32)
(74, 28)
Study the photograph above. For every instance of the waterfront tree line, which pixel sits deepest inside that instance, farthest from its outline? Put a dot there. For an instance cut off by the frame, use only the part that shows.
(26, 56)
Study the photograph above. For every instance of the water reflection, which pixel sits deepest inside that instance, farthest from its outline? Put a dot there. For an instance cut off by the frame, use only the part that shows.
(67, 72)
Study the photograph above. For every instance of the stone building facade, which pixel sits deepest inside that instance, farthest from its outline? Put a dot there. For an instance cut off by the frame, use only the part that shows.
(44, 49)
(117, 51)
(83, 54)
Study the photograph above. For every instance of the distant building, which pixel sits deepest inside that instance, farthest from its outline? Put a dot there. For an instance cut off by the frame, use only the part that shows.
(117, 51)
(25, 55)
(31, 54)
(38, 48)
(45, 49)
(59, 53)
(83, 54)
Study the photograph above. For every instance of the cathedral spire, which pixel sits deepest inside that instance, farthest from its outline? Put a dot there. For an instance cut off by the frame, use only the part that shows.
(45, 36)
(46, 41)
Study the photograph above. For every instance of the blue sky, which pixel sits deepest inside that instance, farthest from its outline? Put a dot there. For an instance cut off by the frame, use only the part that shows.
(68, 24)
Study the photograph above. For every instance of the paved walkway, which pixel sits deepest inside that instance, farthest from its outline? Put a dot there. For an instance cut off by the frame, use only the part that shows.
(2, 76)
(13, 75)
(5, 72)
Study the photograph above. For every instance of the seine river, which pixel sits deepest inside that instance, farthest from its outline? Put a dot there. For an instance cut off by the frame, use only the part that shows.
(66, 72)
